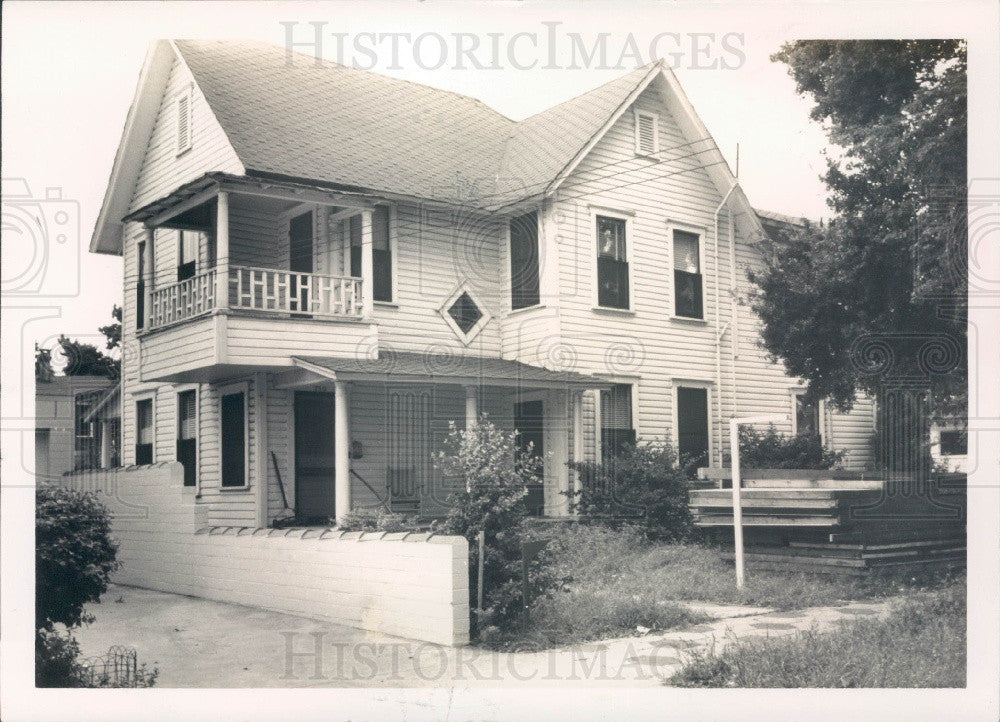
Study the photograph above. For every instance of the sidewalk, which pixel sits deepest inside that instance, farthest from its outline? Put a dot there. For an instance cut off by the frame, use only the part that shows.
(200, 643)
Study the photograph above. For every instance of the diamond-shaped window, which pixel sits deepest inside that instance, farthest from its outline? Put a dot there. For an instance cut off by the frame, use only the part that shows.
(465, 313)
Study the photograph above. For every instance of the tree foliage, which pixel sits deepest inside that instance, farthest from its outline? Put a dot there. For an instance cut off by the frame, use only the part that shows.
(881, 290)
(74, 554)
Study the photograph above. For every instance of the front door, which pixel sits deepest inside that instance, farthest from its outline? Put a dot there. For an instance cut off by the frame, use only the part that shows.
(692, 425)
(528, 420)
(300, 259)
(314, 456)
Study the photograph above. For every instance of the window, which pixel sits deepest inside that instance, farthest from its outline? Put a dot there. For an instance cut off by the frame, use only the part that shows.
(184, 131)
(234, 438)
(381, 255)
(354, 230)
(616, 419)
(612, 263)
(524, 282)
(187, 254)
(140, 286)
(806, 416)
(187, 434)
(687, 275)
(300, 259)
(144, 431)
(647, 134)
(692, 424)
(954, 442)
(464, 313)
(87, 439)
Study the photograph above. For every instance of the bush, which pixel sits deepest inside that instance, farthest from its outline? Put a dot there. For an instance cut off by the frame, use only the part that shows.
(772, 450)
(74, 554)
(380, 520)
(57, 664)
(643, 485)
(496, 473)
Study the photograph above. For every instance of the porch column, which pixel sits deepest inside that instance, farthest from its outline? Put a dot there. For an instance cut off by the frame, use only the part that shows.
(341, 450)
(367, 268)
(557, 444)
(222, 251)
(471, 406)
(148, 278)
(598, 451)
(105, 445)
(577, 421)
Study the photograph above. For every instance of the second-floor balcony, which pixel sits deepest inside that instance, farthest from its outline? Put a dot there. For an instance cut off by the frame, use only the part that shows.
(268, 291)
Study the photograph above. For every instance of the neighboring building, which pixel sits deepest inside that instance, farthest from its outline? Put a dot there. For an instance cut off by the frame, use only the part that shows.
(325, 266)
(77, 425)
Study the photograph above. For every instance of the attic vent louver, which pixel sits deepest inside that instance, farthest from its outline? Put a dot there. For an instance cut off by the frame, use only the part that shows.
(184, 121)
(647, 139)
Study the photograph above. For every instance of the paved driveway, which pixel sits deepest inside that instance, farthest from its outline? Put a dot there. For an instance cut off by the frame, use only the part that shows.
(200, 643)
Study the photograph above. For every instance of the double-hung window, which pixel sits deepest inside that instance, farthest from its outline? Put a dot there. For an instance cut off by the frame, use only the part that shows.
(806, 416)
(381, 255)
(140, 286)
(187, 435)
(144, 431)
(687, 275)
(616, 419)
(524, 281)
(612, 263)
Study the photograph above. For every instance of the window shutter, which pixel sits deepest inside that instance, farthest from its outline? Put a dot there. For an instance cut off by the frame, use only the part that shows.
(646, 139)
(184, 122)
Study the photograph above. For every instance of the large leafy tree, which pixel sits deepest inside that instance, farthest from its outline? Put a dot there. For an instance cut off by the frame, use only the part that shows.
(878, 296)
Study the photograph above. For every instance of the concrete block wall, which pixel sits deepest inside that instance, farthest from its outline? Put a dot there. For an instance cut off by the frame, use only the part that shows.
(411, 585)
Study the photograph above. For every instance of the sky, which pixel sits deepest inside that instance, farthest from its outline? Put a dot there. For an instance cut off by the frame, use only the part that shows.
(70, 71)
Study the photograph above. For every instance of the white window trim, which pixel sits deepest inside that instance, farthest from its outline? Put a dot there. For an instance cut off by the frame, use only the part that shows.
(244, 387)
(674, 416)
(178, 390)
(656, 132)
(465, 338)
(626, 216)
(633, 383)
(701, 233)
(136, 398)
(186, 93)
(820, 413)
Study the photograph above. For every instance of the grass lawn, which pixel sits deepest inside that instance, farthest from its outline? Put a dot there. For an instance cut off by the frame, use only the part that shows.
(920, 644)
(615, 581)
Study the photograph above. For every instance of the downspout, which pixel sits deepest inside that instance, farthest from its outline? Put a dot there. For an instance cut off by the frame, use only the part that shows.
(720, 332)
(735, 320)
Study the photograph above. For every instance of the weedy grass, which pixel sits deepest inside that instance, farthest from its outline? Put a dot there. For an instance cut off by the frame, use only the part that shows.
(921, 643)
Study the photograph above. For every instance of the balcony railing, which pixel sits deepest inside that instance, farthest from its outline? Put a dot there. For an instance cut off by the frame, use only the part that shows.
(265, 290)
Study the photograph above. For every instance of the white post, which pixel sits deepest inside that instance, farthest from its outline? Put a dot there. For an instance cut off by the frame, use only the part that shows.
(598, 441)
(222, 251)
(577, 440)
(367, 269)
(148, 279)
(342, 450)
(471, 406)
(734, 450)
(105, 445)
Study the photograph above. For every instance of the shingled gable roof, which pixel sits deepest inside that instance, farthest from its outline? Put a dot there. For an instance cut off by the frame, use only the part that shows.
(357, 129)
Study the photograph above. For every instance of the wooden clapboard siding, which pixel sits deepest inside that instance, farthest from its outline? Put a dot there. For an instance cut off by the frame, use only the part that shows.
(163, 170)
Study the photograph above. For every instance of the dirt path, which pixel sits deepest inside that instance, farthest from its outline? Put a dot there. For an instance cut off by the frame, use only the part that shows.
(200, 643)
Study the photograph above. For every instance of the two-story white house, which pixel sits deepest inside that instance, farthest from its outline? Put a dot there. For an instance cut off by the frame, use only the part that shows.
(324, 266)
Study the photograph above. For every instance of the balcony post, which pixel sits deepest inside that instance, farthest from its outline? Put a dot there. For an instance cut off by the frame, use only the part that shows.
(148, 279)
(367, 267)
(222, 251)
(341, 450)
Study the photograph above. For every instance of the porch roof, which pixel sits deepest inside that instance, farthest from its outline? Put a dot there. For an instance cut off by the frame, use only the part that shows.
(403, 366)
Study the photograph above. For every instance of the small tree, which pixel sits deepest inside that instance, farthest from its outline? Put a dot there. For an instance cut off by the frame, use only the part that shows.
(496, 473)
(642, 485)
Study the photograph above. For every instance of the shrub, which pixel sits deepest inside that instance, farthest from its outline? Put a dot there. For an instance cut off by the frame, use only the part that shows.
(773, 450)
(642, 485)
(74, 554)
(57, 664)
(496, 473)
(379, 520)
